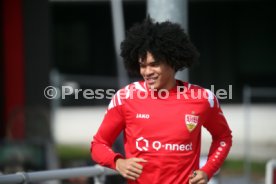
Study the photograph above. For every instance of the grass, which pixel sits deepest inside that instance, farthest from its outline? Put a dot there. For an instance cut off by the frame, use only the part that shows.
(71, 153)
(236, 167)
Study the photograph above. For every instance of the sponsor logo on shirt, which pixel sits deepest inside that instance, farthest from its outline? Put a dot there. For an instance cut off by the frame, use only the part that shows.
(143, 144)
(142, 116)
(191, 121)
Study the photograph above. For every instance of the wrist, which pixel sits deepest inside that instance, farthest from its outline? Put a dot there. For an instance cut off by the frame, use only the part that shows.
(116, 161)
(116, 156)
(204, 174)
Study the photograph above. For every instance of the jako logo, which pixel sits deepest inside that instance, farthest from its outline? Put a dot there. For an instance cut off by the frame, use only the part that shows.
(143, 116)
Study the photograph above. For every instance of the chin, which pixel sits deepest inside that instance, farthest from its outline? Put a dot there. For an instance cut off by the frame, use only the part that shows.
(151, 86)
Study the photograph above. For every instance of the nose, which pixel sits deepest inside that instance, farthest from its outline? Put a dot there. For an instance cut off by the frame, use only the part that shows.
(148, 71)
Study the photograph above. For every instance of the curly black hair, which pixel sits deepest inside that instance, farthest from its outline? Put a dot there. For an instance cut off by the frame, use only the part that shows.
(166, 41)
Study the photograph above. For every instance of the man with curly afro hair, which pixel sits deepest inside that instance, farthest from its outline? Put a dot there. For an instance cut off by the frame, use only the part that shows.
(165, 41)
(161, 117)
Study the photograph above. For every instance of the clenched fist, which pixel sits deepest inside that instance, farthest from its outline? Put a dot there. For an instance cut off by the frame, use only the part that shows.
(130, 168)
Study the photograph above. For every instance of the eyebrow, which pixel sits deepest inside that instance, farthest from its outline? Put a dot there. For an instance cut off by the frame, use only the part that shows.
(152, 61)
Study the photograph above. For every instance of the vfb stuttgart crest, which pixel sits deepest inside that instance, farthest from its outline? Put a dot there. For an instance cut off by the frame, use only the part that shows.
(191, 121)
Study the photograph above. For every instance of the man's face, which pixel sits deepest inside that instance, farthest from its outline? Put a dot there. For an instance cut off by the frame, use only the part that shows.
(158, 75)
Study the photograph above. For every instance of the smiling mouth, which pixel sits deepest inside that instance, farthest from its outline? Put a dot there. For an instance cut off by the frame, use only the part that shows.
(151, 81)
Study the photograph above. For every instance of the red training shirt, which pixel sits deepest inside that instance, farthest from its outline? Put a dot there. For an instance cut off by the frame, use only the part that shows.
(164, 128)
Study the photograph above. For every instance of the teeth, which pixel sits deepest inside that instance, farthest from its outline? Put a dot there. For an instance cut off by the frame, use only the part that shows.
(151, 80)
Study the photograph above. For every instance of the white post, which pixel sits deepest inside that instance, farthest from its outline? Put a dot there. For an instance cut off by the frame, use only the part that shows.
(269, 171)
(119, 35)
(247, 128)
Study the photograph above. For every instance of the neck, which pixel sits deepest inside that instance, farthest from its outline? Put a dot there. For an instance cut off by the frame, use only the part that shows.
(171, 85)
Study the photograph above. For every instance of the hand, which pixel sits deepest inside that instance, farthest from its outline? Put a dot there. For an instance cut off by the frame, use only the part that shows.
(130, 168)
(199, 178)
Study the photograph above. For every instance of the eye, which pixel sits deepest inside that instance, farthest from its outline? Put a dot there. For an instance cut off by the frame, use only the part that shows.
(142, 65)
(155, 63)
